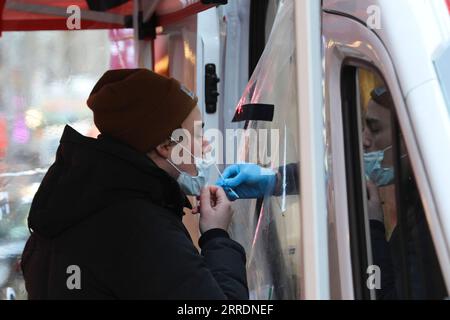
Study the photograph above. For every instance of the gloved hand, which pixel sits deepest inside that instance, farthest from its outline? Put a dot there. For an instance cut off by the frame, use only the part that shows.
(248, 181)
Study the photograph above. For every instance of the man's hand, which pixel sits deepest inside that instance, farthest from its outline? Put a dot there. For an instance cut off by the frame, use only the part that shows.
(214, 208)
(248, 181)
(374, 203)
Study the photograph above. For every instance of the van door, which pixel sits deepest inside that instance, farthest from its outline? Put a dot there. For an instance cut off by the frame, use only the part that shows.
(383, 248)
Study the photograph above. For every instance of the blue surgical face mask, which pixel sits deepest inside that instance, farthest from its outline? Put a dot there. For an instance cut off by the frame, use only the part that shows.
(193, 185)
(374, 171)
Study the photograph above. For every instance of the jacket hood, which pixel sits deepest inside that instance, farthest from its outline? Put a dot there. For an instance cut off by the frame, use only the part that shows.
(89, 175)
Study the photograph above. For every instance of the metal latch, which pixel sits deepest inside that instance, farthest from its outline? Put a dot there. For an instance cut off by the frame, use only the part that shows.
(211, 92)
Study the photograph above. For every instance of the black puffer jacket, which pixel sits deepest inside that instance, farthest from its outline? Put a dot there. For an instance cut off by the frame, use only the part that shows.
(106, 223)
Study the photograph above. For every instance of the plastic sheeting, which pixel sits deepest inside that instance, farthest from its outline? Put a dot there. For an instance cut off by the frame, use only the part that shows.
(270, 229)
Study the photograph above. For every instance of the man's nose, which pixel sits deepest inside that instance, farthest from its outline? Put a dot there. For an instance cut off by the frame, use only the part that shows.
(367, 140)
(206, 146)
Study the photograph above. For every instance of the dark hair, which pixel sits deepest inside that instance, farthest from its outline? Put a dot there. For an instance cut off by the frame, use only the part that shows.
(382, 96)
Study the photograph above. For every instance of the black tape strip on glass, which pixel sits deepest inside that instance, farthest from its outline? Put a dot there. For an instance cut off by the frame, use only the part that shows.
(254, 112)
(104, 5)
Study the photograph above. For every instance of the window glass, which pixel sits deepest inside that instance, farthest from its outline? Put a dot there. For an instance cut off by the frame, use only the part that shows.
(400, 257)
(270, 228)
(443, 70)
(46, 78)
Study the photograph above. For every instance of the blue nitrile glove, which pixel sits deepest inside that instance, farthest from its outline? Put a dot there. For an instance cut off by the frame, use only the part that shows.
(248, 181)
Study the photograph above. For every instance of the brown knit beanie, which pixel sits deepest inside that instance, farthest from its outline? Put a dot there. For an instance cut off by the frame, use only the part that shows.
(139, 107)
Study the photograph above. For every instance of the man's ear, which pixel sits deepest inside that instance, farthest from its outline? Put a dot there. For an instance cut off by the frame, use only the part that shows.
(164, 149)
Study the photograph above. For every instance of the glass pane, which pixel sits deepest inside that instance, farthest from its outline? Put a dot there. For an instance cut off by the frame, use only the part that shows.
(401, 244)
(270, 229)
(46, 79)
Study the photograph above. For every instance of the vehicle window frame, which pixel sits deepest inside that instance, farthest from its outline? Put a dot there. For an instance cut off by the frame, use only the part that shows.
(357, 227)
(361, 254)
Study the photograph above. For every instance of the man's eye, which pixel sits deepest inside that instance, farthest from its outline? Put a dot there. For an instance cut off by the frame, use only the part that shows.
(373, 128)
(376, 129)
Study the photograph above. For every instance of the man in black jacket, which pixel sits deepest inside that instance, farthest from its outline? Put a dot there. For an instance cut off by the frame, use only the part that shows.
(106, 221)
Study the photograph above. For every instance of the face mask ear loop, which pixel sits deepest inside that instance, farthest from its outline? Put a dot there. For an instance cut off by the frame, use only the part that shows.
(215, 165)
(173, 165)
(170, 162)
(190, 153)
(388, 148)
(401, 157)
(184, 148)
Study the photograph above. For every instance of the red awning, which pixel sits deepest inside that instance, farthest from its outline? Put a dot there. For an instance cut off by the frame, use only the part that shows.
(33, 15)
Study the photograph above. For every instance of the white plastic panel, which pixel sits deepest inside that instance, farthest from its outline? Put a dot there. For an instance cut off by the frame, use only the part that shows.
(208, 52)
(312, 150)
(410, 30)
